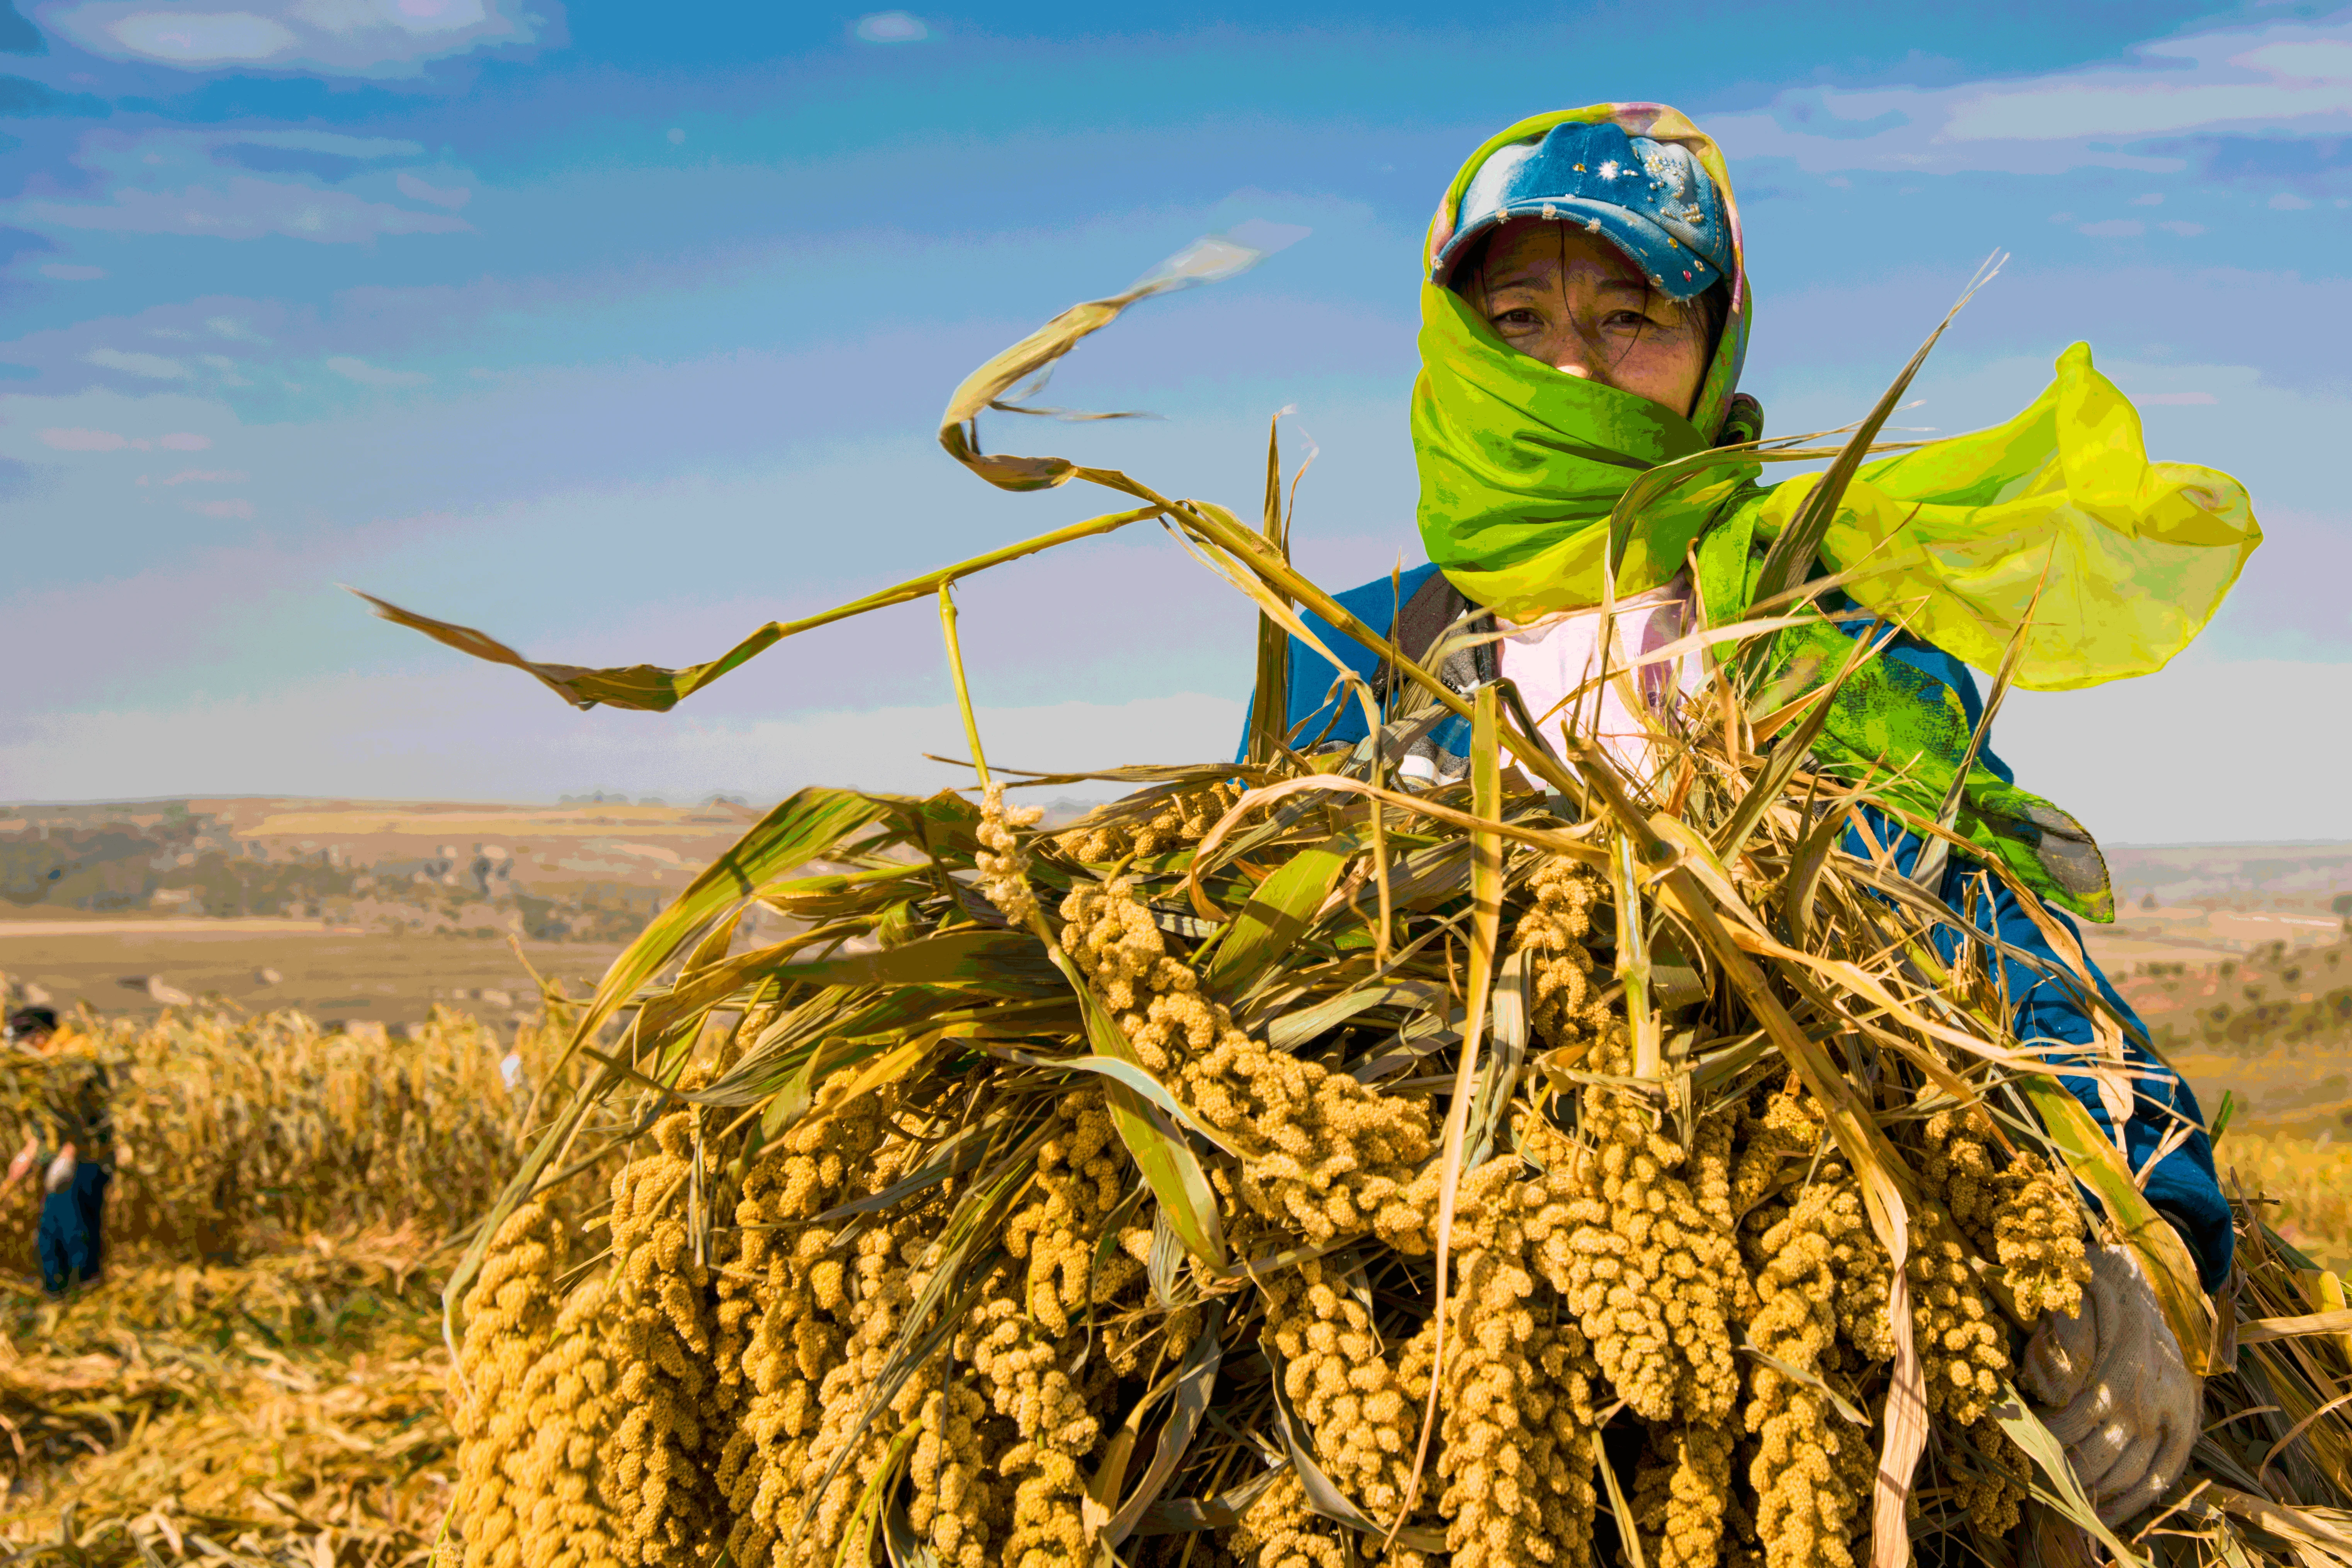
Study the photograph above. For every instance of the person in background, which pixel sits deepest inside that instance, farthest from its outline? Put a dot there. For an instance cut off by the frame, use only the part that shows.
(78, 1172)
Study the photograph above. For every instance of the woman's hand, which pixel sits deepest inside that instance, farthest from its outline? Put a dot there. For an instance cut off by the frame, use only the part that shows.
(2120, 1395)
(22, 1164)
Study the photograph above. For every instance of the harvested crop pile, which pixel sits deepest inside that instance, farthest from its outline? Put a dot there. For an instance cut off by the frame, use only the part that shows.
(233, 1132)
(259, 1376)
(1287, 1167)
(1064, 1218)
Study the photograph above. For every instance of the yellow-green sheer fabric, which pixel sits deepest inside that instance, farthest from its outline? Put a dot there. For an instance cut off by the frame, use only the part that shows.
(1954, 539)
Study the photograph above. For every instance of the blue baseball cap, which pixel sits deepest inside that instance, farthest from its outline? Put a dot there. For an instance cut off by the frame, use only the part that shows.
(1652, 199)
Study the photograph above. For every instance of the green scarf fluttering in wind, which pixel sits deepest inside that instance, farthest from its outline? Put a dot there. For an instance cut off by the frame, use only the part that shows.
(1954, 538)
(1521, 466)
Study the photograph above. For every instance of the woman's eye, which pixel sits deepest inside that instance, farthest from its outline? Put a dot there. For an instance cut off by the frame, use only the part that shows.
(1520, 321)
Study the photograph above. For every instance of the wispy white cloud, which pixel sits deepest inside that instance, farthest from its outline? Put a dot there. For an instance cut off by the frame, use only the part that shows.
(332, 142)
(2293, 79)
(233, 37)
(153, 367)
(223, 342)
(224, 369)
(419, 190)
(173, 181)
(243, 207)
(891, 28)
(85, 440)
(330, 37)
(76, 439)
(368, 375)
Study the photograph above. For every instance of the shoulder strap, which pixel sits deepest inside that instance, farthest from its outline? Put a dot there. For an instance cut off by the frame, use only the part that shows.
(1422, 623)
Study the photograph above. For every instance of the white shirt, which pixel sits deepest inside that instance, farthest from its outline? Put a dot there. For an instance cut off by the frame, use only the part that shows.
(1552, 660)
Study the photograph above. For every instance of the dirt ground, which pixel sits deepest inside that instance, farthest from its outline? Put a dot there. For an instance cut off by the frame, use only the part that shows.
(110, 962)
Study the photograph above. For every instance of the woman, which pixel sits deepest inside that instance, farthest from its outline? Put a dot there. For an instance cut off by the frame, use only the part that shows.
(1585, 314)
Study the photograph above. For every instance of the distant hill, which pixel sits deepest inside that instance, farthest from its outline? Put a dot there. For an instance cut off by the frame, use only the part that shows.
(2303, 875)
(592, 870)
(2202, 903)
(596, 869)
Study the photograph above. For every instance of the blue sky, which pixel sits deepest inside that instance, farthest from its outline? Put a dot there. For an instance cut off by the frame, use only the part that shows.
(616, 330)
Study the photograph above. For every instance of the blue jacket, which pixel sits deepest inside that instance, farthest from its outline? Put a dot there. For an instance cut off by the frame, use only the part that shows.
(2182, 1186)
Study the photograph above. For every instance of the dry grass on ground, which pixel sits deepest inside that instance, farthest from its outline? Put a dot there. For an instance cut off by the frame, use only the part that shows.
(2311, 1181)
(260, 1376)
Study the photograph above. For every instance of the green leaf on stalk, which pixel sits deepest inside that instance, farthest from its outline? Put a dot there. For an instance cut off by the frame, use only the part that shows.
(1158, 1150)
(1278, 914)
(1137, 1078)
(2063, 1491)
(804, 826)
(987, 962)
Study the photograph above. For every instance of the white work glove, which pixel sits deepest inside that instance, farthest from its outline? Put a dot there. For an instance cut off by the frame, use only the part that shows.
(2119, 1394)
(61, 1170)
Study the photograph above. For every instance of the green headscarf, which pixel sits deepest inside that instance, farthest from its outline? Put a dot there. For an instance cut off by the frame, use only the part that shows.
(1519, 464)
(1520, 467)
